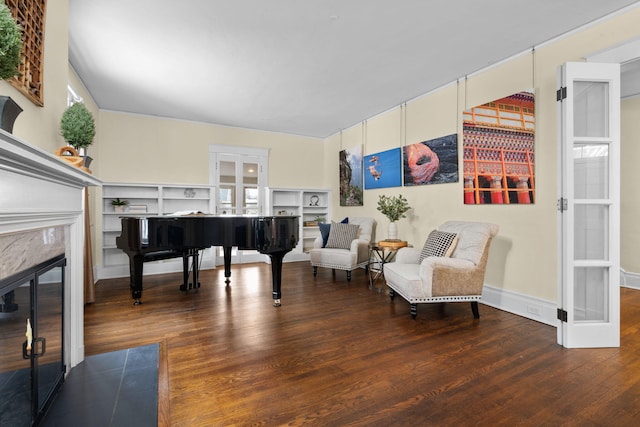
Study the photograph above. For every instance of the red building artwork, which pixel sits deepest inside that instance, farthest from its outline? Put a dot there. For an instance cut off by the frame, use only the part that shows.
(498, 150)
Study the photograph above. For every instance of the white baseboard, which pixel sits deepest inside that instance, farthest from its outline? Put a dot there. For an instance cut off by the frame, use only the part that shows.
(629, 279)
(533, 308)
(172, 265)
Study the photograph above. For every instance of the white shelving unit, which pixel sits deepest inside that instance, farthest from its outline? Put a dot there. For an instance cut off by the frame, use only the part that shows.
(148, 200)
(309, 204)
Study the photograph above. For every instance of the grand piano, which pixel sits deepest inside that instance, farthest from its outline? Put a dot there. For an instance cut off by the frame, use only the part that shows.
(154, 238)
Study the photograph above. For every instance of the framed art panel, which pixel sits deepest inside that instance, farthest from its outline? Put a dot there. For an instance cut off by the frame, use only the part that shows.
(351, 177)
(431, 162)
(384, 169)
(498, 140)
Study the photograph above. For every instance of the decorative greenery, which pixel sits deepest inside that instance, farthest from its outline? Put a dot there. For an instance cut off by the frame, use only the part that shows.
(118, 202)
(77, 126)
(10, 43)
(393, 207)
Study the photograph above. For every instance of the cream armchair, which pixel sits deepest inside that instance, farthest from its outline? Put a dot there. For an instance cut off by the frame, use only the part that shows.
(455, 278)
(347, 246)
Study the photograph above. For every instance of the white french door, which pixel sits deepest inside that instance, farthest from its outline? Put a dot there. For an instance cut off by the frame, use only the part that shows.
(589, 205)
(239, 176)
(238, 190)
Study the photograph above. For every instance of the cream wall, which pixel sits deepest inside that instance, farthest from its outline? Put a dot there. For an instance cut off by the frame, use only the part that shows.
(524, 255)
(137, 148)
(629, 186)
(39, 125)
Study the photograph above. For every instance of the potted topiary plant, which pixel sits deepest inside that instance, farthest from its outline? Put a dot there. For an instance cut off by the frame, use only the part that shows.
(10, 57)
(78, 129)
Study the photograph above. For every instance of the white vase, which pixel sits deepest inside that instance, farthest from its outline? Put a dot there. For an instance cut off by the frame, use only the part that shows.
(393, 231)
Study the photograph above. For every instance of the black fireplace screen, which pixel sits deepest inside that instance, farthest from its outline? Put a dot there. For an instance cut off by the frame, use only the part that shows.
(31, 341)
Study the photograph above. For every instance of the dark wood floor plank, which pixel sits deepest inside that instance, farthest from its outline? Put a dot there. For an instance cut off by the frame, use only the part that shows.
(337, 353)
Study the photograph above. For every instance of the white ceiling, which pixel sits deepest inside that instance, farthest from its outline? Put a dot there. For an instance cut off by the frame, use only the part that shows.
(300, 67)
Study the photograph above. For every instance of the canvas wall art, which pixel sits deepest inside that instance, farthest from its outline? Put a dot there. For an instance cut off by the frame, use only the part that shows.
(431, 162)
(351, 177)
(384, 169)
(498, 141)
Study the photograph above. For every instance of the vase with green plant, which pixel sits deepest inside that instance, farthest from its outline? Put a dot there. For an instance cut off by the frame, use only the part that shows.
(10, 57)
(394, 208)
(78, 128)
(118, 205)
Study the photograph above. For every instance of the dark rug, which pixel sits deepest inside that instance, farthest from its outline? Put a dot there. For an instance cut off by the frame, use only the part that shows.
(117, 389)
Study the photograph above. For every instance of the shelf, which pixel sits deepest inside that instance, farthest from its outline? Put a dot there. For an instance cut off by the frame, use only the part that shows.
(156, 199)
(185, 198)
(306, 203)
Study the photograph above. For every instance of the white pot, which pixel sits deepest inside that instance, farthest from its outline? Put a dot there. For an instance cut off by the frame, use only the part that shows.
(118, 208)
(393, 231)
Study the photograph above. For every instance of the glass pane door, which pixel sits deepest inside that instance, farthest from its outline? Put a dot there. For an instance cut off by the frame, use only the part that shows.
(250, 193)
(48, 327)
(589, 284)
(227, 188)
(15, 370)
(239, 193)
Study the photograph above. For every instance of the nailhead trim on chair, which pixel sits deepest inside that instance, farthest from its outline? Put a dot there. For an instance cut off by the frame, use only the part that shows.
(342, 267)
(456, 298)
(448, 299)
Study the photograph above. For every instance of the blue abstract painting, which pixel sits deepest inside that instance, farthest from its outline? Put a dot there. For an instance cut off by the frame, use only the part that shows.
(384, 169)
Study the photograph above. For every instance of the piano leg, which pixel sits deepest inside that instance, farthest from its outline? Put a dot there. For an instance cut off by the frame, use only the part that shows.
(135, 274)
(194, 254)
(185, 272)
(276, 273)
(196, 282)
(227, 263)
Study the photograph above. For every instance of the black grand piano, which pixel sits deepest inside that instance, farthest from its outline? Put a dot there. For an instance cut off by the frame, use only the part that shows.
(154, 238)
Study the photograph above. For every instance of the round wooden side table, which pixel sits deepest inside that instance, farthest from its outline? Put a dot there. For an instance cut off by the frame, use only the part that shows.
(381, 253)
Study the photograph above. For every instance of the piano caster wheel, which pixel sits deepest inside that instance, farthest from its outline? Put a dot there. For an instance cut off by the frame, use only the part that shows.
(137, 301)
(276, 302)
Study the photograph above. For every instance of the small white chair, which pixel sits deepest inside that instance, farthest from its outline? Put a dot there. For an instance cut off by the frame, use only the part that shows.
(455, 278)
(345, 251)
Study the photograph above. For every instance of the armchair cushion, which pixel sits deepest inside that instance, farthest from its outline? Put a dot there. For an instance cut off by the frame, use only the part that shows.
(418, 279)
(341, 235)
(472, 238)
(326, 228)
(324, 232)
(439, 244)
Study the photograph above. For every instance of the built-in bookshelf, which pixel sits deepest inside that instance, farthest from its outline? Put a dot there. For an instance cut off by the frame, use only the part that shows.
(312, 206)
(148, 200)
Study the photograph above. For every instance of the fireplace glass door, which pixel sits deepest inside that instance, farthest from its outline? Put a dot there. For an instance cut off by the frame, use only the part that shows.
(31, 342)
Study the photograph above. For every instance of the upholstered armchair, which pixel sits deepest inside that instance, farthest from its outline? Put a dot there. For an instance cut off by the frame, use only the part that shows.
(343, 246)
(449, 268)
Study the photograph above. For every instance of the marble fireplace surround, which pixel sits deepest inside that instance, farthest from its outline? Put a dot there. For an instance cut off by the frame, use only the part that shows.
(25, 249)
(41, 212)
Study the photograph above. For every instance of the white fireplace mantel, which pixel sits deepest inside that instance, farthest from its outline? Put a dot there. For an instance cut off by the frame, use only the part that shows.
(38, 190)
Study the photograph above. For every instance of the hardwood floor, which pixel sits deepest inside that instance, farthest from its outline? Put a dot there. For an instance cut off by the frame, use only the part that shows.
(337, 353)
